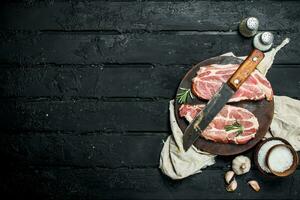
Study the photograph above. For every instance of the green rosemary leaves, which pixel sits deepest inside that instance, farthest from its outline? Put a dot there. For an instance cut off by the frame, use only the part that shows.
(183, 95)
(235, 128)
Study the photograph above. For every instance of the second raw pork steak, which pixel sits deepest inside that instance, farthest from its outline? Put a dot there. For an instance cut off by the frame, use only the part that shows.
(232, 124)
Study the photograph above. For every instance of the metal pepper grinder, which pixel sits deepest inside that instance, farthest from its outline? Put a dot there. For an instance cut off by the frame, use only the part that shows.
(263, 41)
(249, 26)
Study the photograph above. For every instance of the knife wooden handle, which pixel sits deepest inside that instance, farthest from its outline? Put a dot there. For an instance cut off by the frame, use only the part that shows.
(245, 69)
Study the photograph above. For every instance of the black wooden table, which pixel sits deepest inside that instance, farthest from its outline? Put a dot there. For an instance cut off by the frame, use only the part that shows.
(85, 86)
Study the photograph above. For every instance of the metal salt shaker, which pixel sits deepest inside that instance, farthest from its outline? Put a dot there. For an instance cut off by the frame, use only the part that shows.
(249, 26)
(263, 41)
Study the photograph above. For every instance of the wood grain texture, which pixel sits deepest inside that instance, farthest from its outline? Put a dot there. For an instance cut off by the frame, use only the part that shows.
(245, 69)
(160, 48)
(113, 150)
(85, 85)
(150, 16)
(95, 183)
(87, 150)
(84, 115)
(100, 81)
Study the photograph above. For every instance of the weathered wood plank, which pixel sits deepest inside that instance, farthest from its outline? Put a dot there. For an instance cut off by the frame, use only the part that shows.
(110, 151)
(91, 81)
(84, 115)
(164, 48)
(89, 32)
(145, 81)
(124, 16)
(285, 81)
(89, 150)
(140, 184)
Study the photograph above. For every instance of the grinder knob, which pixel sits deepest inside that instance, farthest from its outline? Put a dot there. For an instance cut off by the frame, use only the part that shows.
(249, 26)
(267, 38)
(263, 41)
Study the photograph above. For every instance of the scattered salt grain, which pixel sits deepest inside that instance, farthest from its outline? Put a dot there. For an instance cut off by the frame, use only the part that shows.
(262, 153)
(280, 159)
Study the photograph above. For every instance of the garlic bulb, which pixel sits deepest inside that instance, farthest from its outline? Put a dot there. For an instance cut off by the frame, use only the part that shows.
(241, 165)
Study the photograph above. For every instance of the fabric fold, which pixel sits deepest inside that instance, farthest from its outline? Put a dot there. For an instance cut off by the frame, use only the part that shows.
(174, 161)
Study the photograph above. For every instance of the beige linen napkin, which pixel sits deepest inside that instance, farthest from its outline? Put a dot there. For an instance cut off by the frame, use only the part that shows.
(174, 161)
(286, 120)
(178, 164)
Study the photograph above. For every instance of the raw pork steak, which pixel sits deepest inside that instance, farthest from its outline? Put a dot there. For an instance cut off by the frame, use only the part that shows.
(222, 128)
(210, 78)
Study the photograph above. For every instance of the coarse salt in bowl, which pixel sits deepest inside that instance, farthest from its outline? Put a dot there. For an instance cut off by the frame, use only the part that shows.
(280, 158)
(262, 153)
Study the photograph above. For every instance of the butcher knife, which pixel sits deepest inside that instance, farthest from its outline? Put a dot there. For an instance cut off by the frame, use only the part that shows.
(218, 101)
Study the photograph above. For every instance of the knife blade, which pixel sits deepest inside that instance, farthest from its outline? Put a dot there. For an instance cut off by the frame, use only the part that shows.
(218, 101)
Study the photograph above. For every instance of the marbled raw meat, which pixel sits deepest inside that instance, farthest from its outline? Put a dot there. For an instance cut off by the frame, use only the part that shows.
(210, 78)
(227, 116)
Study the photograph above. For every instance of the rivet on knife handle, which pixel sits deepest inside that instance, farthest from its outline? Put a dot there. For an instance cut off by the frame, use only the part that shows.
(245, 69)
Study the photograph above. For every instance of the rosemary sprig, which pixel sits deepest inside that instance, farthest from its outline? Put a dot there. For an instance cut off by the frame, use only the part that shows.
(183, 95)
(235, 127)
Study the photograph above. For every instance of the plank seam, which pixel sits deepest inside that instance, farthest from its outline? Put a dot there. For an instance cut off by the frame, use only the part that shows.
(140, 133)
(73, 99)
(134, 167)
(30, 3)
(106, 65)
(101, 167)
(139, 31)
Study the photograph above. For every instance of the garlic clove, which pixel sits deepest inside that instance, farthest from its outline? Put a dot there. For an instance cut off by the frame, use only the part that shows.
(232, 186)
(254, 184)
(229, 176)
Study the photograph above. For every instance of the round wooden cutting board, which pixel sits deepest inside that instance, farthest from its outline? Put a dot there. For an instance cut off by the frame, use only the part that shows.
(263, 111)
